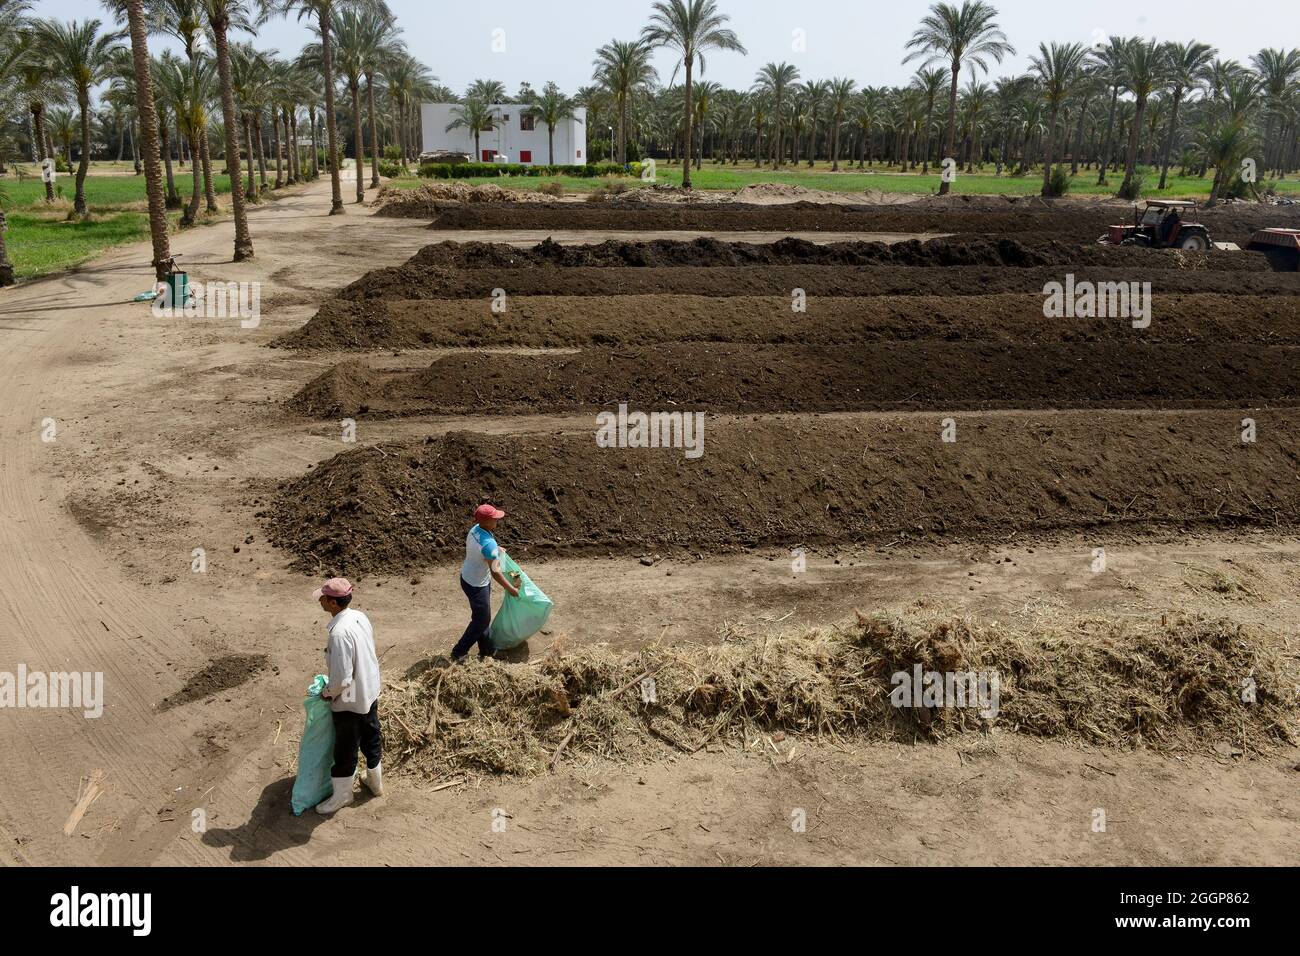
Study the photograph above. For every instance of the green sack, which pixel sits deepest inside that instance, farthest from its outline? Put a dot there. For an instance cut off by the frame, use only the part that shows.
(520, 617)
(315, 751)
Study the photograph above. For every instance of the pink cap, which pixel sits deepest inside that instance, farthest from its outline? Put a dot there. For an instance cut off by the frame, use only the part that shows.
(335, 588)
(485, 512)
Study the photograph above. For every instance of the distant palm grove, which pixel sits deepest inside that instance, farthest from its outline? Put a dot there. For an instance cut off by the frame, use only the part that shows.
(1127, 112)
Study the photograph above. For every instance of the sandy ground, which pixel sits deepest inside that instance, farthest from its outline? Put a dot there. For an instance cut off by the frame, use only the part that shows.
(168, 438)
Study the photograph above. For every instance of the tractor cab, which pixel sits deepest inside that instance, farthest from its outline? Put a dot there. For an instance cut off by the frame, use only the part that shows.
(1162, 224)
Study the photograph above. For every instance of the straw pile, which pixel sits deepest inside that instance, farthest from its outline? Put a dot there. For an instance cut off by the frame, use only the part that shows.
(1103, 682)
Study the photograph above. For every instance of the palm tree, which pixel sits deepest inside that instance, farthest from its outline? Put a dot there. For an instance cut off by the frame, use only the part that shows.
(691, 27)
(488, 91)
(1188, 63)
(358, 38)
(842, 90)
(552, 108)
(250, 84)
(147, 111)
(223, 15)
(815, 94)
(37, 81)
(1279, 72)
(1059, 66)
(475, 116)
(929, 84)
(184, 20)
(867, 111)
(957, 36)
(774, 82)
(323, 11)
(975, 97)
(176, 85)
(1110, 60)
(624, 68)
(1227, 140)
(407, 79)
(1145, 68)
(379, 28)
(83, 56)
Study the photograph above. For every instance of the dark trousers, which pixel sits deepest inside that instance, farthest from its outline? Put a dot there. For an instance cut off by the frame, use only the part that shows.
(480, 621)
(353, 730)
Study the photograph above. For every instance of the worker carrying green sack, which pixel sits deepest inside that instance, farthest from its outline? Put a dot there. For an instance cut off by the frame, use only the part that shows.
(519, 617)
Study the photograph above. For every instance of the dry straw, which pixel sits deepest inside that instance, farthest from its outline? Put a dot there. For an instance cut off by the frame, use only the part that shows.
(1175, 686)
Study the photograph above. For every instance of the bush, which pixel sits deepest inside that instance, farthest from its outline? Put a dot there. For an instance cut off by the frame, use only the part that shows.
(390, 169)
(552, 189)
(492, 170)
(393, 153)
(1134, 190)
(1059, 183)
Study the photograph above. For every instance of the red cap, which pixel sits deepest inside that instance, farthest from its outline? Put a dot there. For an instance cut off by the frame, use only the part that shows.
(335, 588)
(486, 512)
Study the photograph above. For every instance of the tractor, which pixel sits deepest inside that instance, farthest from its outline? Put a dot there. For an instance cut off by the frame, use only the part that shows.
(1162, 225)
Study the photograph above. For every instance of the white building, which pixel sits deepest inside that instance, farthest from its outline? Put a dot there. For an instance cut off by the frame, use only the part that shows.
(515, 136)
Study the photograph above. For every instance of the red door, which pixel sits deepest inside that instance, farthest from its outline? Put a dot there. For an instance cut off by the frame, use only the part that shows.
(525, 155)
(489, 155)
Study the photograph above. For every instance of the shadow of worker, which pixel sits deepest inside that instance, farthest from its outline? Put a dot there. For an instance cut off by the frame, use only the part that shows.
(270, 829)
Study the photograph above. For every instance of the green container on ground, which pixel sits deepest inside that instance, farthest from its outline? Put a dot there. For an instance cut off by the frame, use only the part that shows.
(522, 617)
(178, 284)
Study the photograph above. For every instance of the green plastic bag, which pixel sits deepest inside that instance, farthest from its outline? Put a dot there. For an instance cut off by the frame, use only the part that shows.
(520, 617)
(315, 751)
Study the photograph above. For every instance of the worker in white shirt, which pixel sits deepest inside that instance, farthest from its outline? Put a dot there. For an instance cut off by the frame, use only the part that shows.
(353, 693)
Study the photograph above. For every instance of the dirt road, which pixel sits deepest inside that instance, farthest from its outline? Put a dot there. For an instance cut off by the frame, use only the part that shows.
(168, 435)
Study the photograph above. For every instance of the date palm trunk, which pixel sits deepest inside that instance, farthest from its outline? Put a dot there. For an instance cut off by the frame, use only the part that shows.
(355, 89)
(374, 134)
(243, 238)
(331, 127)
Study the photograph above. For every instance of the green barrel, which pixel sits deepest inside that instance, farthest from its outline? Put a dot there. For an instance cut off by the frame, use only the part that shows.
(179, 284)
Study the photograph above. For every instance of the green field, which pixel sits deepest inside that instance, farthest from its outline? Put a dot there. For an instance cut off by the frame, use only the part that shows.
(879, 179)
(102, 192)
(41, 239)
(38, 245)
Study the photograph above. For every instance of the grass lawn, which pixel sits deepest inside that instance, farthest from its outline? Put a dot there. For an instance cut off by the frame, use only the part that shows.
(850, 180)
(41, 239)
(39, 245)
(103, 192)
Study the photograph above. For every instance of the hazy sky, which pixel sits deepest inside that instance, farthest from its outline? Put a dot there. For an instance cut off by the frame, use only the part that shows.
(555, 39)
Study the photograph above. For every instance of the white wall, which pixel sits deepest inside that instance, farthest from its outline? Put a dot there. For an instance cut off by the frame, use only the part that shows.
(508, 137)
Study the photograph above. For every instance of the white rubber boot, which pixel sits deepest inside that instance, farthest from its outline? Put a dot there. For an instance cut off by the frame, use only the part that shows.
(342, 796)
(374, 780)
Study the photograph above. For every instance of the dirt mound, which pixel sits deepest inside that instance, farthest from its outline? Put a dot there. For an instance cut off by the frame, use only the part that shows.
(584, 321)
(708, 253)
(345, 389)
(423, 202)
(1023, 217)
(781, 483)
(787, 378)
(817, 281)
(969, 266)
(1108, 683)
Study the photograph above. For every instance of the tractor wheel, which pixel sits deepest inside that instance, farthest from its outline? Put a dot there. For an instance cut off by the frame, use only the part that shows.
(1194, 242)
